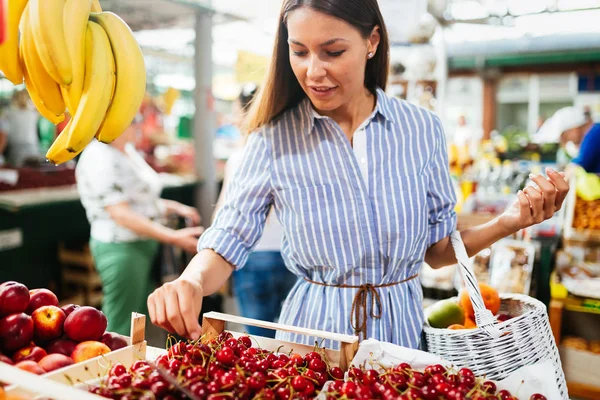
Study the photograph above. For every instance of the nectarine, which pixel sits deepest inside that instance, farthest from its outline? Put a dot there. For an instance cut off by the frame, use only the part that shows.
(90, 349)
(85, 323)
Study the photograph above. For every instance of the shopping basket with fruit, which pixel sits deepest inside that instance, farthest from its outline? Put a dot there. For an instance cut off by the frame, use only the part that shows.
(496, 348)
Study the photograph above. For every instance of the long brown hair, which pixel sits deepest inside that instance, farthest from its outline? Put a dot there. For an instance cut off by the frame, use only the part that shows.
(281, 90)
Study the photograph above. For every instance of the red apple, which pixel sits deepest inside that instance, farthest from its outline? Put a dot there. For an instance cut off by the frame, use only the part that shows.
(48, 322)
(16, 331)
(55, 361)
(30, 366)
(39, 298)
(29, 353)
(61, 346)
(85, 323)
(69, 308)
(114, 341)
(14, 298)
(89, 349)
(6, 360)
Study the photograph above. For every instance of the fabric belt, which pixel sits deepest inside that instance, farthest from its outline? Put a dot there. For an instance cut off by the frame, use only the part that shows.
(360, 305)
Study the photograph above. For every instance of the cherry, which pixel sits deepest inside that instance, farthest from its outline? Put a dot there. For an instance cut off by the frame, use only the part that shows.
(310, 374)
(195, 372)
(292, 371)
(310, 389)
(250, 366)
(284, 358)
(489, 387)
(466, 372)
(213, 387)
(125, 380)
(438, 378)
(321, 378)
(199, 389)
(117, 370)
(537, 396)
(223, 336)
(370, 377)
(266, 394)
(162, 361)
(278, 364)
(312, 355)
(159, 388)
(297, 360)
(355, 373)
(504, 395)
(178, 349)
(363, 392)
(299, 383)
(414, 394)
(443, 388)
(246, 341)
(139, 383)
(225, 355)
(430, 392)
(336, 373)
(417, 380)
(453, 380)
(348, 389)
(139, 364)
(263, 365)
(283, 393)
(317, 365)
(434, 369)
(464, 389)
(257, 381)
(174, 366)
(468, 381)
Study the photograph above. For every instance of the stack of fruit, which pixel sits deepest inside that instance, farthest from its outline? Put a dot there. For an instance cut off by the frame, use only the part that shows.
(38, 336)
(223, 368)
(74, 58)
(404, 383)
(459, 314)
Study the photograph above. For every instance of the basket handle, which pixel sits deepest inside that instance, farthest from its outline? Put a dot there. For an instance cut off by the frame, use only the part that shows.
(483, 317)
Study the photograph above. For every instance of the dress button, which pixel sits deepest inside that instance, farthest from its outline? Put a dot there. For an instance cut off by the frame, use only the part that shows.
(363, 160)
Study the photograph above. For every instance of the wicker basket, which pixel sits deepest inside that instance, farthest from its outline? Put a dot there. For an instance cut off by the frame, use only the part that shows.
(497, 349)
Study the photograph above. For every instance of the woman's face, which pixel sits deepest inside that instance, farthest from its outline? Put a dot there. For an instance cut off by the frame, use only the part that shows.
(328, 57)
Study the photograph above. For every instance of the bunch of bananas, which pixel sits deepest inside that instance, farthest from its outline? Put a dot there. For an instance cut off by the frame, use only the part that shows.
(75, 58)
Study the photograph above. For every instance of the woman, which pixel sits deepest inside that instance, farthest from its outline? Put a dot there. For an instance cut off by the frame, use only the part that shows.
(121, 196)
(18, 131)
(359, 181)
(260, 287)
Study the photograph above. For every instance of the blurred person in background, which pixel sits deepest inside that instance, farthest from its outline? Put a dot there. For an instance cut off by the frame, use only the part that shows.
(263, 284)
(121, 196)
(19, 139)
(578, 136)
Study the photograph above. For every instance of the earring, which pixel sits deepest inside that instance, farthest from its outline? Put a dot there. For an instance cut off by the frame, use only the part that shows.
(370, 55)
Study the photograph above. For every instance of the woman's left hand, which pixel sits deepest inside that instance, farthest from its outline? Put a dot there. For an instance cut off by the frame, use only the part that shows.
(535, 205)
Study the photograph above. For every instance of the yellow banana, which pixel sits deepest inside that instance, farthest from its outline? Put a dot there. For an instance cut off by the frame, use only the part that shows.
(40, 81)
(130, 85)
(75, 19)
(9, 50)
(37, 102)
(97, 87)
(46, 20)
(58, 153)
(96, 6)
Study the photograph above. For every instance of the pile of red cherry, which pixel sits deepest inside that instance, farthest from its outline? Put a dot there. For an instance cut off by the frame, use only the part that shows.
(404, 383)
(224, 368)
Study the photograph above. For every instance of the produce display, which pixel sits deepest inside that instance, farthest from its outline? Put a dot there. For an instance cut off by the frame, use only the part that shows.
(230, 368)
(459, 314)
(587, 214)
(404, 383)
(38, 336)
(75, 59)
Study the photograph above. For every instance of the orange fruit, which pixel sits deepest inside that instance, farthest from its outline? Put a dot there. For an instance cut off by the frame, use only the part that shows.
(491, 299)
(470, 323)
(456, 327)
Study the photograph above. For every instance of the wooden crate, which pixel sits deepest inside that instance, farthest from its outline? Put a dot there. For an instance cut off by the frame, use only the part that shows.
(213, 323)
(61, 384)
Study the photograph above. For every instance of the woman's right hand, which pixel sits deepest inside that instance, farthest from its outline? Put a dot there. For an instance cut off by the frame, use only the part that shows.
(187, 238)
(176, 305)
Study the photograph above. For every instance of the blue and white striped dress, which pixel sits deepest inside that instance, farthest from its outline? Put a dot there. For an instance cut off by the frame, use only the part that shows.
(350, 215)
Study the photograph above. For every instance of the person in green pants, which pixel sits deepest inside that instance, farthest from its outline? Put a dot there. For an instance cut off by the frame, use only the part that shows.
(121, 195)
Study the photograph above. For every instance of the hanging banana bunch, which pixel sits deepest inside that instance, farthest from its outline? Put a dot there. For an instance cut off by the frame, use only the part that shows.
(74, 58)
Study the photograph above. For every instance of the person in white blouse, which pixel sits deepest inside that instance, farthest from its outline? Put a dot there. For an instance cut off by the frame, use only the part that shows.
(121, 195)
